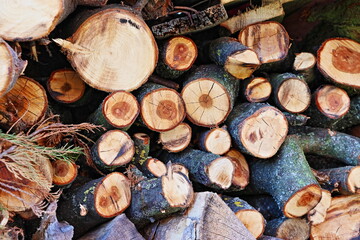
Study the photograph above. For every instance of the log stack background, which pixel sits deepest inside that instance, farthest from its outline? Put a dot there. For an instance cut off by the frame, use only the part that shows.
(228, 119)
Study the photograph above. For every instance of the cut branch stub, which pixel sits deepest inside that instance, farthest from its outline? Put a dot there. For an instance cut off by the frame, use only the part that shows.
(177, 55)
(268, 39)
(113, 149)
(257, 128)
(11, 67)
(209, 94)
(242, 172)
(338, 59)
(177, 139)
(237, 59)
(162, 108)
(216, 140)
(24, 105)
(290, 93)
(65, 172)
(304, 64)
(256, 89)
(118, 53)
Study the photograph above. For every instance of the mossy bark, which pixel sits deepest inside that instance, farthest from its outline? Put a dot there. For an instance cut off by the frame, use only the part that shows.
(220, 49)
(296, 119)
(236, 204)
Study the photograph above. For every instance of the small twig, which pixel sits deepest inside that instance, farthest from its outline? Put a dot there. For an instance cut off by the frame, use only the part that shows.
(139, 5)
(165, 82)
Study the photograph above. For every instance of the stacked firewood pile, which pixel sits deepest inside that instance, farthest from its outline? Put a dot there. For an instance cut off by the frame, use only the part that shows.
(228, 119)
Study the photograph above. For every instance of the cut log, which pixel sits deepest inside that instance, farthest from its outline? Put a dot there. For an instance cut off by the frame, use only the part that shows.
(158, 198)
(198, 21)
(153, 167)
(249, 216)
(112, 150)
(242, 173)
(345, 180)
(65, 172)
(205, 168)
(288, 179)
(304, 65)
(290, 93)
(11, 68)
(238, 60)
(177, 167)
(142, 149)
(296, 119)
(327, 143)
(318, 213)
(95, 202)
(338, 60)
(23, 106)
(342, 220)
(119, 53)
(33, 20)
(176, 56)
(257, 129)
(118, 228)
(177, 139)
(256, 89)
(118, 110)
(207, 218)
(216, 140)
(268, 39)
(265, 204)
(209, 95)
(162, 109)
(292, 229)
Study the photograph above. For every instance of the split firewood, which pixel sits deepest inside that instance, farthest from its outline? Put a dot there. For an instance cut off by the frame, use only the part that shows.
(257, 129)
(118, 110)
(238, 60)
(118, 228)
(256, 89)
(162, 108)
(198, 21)
(156, 198)
(216, 140)
(342, 220)
(116, 31)
(241, 174)
(207, 218)
(290, 92)
(205, 168)
(95, 202)
(176, 56)
(288, 179)
(318, 213)
(23, 106)
(209, 94)
(304, 65)
(65, 172)
(177, 139)
(113, 149)
(12, 67)
(345, 180)
(265, 204)
(249, 216)
(292, 229)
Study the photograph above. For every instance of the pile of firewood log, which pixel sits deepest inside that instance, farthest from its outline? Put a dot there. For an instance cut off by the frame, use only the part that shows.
(153, 119)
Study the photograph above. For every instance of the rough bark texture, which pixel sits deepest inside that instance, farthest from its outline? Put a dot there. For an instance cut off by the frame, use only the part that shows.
(284, 228)
(296, 119)
(265, 204)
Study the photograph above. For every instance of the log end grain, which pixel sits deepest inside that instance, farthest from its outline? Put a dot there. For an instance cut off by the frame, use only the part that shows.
(65, 172)
(318, 213)
(293, 95)
(180, 53)
(242, 172)
(353, 180)
(304, 61)
(155, 167)
(253, 221)
(242, 64)
(216, 140)
(258, 89)
(221, 171)
(177, 139)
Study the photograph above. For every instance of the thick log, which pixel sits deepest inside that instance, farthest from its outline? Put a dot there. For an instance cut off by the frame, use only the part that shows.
(65, 172)
(265, 204)
(238, 60)
(342, 220)
(198, 21)
(241, 175)
(112, 150)
(304, 66)
(257, 129)
(318, 213)
(158, 198)
(177, 139)
(205, 168)
(327, 143)
(207, 218)
(215, 93)
(290, 92)
(115, 31)
(176, 56)
(118, 110)
(23, 106)
(95, 202)
(162, 108)
(118, 228)
(12, 67)
(256, 89)
(249, 216)
(345, 180)
(216, 140)
(288, 179)
(285, 228)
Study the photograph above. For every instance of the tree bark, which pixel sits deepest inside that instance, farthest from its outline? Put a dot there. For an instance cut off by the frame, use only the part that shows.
(265, 204)
(284, 228)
